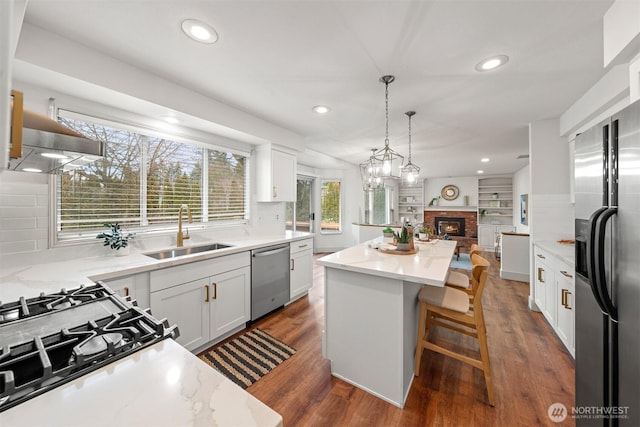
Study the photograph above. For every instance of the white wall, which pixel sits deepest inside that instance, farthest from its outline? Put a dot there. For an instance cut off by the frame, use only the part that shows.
(468, 186)
(521, 185)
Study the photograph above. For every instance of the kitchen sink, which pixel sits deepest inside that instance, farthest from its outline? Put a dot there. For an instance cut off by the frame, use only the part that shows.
(190, 250)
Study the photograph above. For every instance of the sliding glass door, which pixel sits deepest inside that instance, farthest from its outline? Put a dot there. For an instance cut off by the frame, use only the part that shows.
(300, 215)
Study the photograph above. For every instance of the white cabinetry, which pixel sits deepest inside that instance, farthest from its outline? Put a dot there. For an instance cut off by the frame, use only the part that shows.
(411, 202)
(554, 294)
(135, 286)
(565, 285)
(276, 175)
(301, 276)
(488, 234)
(206, 299)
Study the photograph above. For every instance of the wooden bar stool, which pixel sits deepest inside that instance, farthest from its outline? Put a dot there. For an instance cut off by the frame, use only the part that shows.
(461, 280)
(451, 308)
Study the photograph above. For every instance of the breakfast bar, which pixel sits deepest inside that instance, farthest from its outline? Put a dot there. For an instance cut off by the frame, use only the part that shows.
(371, 311)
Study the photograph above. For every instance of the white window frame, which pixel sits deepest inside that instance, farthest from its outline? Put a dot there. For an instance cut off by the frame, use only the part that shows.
(341, 209)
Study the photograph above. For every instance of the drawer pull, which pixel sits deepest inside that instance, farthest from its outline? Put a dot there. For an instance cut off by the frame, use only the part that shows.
(540, 270)
(303, 246)
(541, 256)
(564, 273)
(215, 291)
(206, 293)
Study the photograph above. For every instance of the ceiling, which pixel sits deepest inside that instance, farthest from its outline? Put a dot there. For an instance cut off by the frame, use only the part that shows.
(277, 59)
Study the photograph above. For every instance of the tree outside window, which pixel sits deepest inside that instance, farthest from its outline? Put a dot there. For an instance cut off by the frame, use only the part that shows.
(330, 220)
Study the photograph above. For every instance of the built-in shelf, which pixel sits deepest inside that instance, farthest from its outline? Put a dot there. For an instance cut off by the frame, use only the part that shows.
(495, 200)
(411, 197)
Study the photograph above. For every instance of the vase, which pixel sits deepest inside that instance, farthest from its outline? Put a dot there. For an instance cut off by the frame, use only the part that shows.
(403, 247)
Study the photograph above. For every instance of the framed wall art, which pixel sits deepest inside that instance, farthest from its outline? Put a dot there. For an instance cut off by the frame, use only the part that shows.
(524, 209)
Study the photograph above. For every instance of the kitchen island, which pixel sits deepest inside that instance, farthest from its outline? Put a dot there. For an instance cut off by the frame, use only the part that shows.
(371, 313)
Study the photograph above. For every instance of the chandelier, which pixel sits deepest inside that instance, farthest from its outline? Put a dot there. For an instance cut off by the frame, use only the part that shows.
(370, 181)
(409, 172)
(388, 161)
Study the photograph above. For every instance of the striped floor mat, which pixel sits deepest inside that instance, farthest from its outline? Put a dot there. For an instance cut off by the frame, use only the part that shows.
(246, 359)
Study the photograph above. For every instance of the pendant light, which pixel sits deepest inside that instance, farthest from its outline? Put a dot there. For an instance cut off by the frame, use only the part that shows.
(368, 174)
(410, 172)
(390, 161)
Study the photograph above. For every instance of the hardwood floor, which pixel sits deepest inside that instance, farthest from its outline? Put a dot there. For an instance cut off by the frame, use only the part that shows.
(530, 367)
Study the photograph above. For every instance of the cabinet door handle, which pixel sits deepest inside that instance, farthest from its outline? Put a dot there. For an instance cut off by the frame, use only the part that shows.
(293, 264)
(541, 256)
(564, 273)
(302, 246)
(126, 291)
(215, 290)
(540, 270)
(206, 293)
(565, 298)
(275, 191)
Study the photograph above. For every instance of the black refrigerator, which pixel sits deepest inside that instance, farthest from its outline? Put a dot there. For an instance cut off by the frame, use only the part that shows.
(607, 300)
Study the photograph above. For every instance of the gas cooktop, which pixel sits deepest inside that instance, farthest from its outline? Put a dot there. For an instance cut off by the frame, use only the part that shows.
(49, 340)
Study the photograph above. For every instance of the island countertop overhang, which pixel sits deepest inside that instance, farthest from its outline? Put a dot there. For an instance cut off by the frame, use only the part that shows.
(430, 264)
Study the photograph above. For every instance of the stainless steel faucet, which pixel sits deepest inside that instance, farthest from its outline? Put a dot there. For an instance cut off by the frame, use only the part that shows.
(183, 237)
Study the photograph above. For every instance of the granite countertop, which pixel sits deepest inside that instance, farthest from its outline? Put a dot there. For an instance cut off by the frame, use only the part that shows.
(163, 385)
(564, 252)
(430, 264)
(31, 279)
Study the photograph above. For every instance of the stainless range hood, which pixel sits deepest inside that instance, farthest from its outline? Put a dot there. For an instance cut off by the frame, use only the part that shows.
(49, 147)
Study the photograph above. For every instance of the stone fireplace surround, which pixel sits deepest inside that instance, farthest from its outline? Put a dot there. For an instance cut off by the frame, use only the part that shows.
(470, 227)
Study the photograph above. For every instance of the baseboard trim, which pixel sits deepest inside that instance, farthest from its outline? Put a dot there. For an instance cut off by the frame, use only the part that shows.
(510, 275)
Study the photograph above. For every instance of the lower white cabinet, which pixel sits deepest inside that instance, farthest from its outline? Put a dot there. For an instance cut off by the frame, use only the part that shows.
(566, 306)
(135, 286)
(554, 294)
(215, 302)
(487, 234)
(301, 275)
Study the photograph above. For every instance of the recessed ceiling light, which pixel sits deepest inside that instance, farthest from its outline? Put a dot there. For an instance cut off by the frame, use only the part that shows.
(492, 63)
(199, 31)
(32, 170)
(321, 109)
(480, 171)
(171, 119)
(54, 155)
(484, 159)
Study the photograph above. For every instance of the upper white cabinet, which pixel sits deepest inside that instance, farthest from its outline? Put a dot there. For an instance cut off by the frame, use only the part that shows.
(495, 200)
(276, 175)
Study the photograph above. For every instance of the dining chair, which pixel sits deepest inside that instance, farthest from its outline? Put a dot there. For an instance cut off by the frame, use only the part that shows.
(463, 281)
(452, 308)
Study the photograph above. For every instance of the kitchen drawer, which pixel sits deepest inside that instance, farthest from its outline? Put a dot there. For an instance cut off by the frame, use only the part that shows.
(172, 276)
(301, 245)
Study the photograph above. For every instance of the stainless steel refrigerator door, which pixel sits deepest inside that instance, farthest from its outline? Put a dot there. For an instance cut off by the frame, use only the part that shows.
(590, 171)
(627, 262)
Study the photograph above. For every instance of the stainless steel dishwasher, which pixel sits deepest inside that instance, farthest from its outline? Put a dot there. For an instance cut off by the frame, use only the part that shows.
(269, 279)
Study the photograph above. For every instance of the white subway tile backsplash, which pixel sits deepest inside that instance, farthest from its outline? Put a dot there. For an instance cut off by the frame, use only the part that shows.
(19, 200)
(18, 223)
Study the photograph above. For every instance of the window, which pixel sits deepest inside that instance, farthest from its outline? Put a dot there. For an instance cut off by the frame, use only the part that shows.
(378, 204)
(143, 180)
(330, 221)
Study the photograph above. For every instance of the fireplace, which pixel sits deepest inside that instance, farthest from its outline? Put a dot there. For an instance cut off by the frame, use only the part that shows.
(450, 226)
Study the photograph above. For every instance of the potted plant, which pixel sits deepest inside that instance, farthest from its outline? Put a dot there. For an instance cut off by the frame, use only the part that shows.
(424, 232)
(116, 238)
(388, 235)
(404, 239)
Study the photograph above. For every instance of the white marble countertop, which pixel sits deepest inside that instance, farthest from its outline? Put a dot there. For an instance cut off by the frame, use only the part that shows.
(163, 385)
(565, 253)
(33, 278)
(430, 265)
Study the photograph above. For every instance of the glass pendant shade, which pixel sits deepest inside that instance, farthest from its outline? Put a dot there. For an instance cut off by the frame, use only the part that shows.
(369, 173)
(410, 172)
